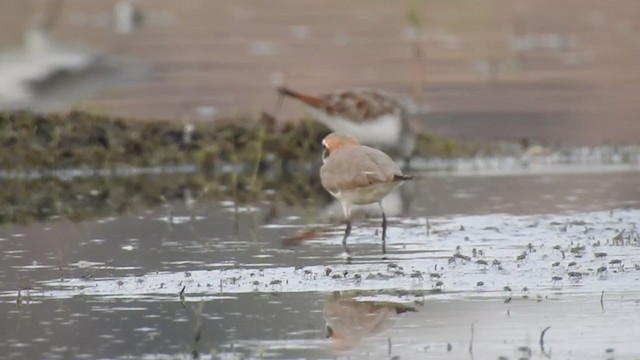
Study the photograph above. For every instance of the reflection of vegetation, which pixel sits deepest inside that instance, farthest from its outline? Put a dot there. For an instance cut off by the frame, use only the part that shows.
(88, 198)
(80, 139)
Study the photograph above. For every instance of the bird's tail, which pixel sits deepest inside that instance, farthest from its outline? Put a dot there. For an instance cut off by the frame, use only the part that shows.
(403, 177)
(307, 99)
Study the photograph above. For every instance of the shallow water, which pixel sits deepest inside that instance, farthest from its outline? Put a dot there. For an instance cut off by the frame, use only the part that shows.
(508, 254)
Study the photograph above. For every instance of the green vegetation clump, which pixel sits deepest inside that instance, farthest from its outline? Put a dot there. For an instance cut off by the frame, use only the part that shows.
(444, 147)
(80, 139)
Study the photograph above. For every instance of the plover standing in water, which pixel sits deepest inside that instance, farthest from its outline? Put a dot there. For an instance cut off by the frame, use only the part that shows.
(358, 175)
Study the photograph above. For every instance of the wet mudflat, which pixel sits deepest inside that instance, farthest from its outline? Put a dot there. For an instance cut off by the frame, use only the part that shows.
(476, 265)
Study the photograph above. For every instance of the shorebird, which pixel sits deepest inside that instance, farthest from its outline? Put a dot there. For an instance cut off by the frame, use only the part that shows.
(358, 175)
(373, 116)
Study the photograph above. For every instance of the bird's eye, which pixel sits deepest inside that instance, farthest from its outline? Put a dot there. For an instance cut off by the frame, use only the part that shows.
(325, 153)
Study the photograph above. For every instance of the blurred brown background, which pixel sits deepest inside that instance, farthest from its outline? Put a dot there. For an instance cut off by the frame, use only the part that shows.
(550, 70)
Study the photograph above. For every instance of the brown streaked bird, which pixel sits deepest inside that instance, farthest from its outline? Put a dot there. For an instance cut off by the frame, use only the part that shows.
(373, 116)
(358, 175)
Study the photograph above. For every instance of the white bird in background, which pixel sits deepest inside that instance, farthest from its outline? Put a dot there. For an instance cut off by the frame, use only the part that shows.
(374, 117)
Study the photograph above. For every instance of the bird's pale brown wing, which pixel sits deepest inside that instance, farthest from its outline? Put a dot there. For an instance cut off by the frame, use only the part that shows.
(357, 166)
(360, 105)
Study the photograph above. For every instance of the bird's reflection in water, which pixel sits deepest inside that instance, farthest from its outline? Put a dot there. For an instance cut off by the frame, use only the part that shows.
(349, 321)
(397, 204)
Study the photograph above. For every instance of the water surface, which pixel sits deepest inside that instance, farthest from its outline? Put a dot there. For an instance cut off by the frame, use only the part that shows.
(507, 255)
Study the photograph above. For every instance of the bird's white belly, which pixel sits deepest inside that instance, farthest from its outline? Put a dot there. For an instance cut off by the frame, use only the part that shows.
(383, 130)
(366, 195)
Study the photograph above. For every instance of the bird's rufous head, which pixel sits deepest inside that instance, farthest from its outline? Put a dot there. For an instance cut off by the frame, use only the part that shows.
(335, 141)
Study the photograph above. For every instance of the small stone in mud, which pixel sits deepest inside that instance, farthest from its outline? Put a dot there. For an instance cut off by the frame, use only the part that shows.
(526, 351)
(601, 269)
(600, 254)
(463, 257)
(575, 275)
(435, 275)
(557, 263)
(578, 249)
(573, 263)
(480, 283)
(378, 276)
(276, 283)
(336, 276)
(615, 262)
(393, 266)
(521, 257)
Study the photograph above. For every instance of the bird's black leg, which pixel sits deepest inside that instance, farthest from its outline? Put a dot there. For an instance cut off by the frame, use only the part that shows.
(384, 230)
(347, 232)
(384, 226)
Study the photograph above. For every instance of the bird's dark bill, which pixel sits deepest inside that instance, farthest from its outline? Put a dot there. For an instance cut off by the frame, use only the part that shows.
(329, 331)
